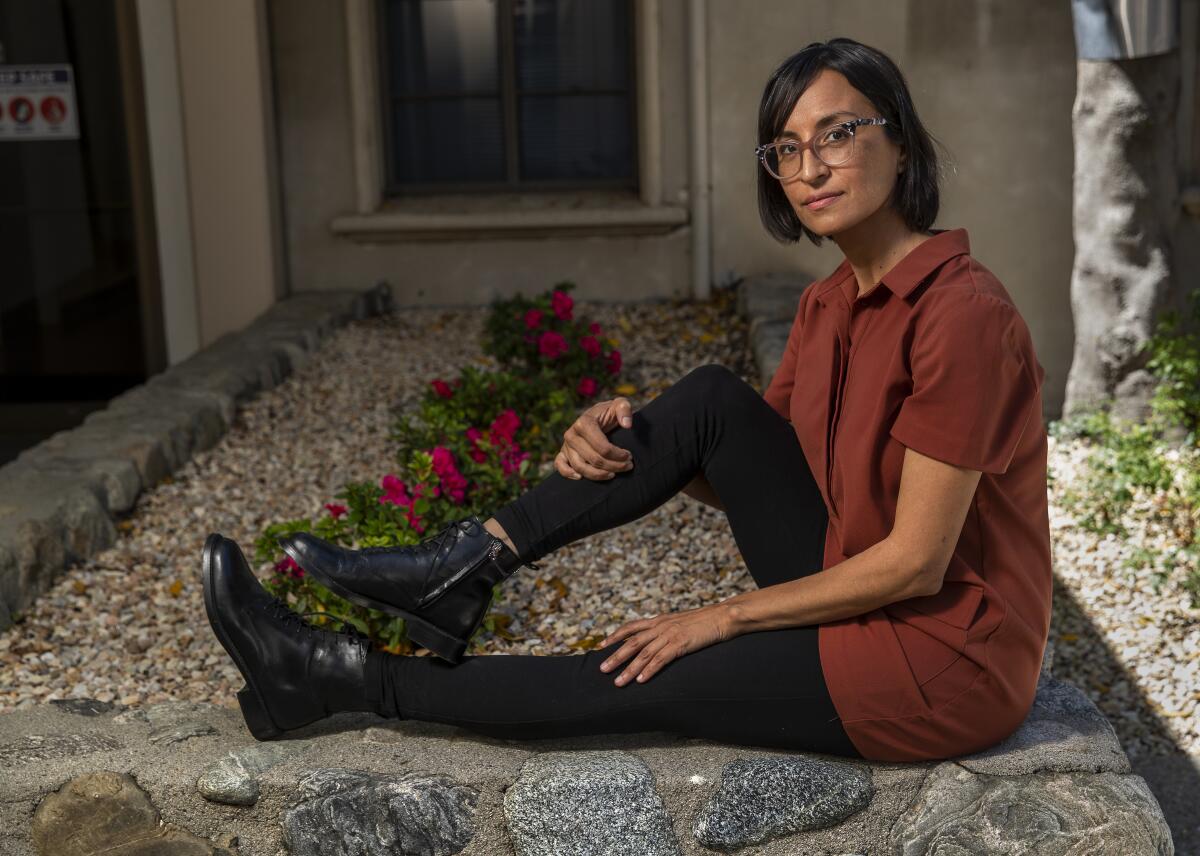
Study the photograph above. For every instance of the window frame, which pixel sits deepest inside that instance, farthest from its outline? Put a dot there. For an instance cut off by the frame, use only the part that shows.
(509, 95)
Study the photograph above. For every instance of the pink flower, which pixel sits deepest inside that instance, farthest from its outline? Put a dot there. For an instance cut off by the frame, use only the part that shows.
(504, 427)
(336, 510)
(551, 344)
(288, 565)
(452, 482)
(614, 362)
(478, 455)
(512, 462)
(594, 328)
(533, 318)
(587, 387)
(394, 491)
(561, 303)
(591, 345)
(442, 388)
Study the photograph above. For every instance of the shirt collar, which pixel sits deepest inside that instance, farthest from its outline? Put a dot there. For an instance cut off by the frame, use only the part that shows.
(907, 273)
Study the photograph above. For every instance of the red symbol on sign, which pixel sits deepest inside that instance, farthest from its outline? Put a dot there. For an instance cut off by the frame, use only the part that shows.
(21, 110)
(54, 110)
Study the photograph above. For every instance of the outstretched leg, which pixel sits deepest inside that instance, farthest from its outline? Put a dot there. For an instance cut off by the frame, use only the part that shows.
(759, 689)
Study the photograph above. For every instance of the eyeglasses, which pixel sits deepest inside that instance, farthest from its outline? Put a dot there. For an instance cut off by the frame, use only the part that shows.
(832, 146)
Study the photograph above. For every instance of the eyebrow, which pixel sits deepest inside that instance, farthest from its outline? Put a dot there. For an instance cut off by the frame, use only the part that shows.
(823, 121)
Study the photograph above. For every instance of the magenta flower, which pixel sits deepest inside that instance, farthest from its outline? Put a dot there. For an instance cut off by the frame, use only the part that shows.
(594, 328)
(533, 318)
(614, 362)
(336, 510)
(591, 345)
(442, 388)
(288, 565)
(587, 387)
(504, 427)
(551, 344)
(561, 303)
(394, 491)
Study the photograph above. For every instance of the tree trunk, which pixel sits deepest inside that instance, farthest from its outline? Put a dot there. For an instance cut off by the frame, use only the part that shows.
(1126, 205)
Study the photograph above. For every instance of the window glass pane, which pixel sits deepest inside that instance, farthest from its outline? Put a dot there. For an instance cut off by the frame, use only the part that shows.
(442, 46)
(571, 44)
(457, 139)
(575, 136)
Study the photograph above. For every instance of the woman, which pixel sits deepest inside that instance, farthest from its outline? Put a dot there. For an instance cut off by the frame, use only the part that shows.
(887, 492)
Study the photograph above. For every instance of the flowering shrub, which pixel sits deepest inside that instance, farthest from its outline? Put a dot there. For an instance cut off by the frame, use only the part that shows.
(542, 337)
(472, 444)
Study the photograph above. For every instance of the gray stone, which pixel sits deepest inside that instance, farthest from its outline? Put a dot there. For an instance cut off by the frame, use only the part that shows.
(177, 721)
(591, 803)
(1051, 814)
(768, 341)
(45, 747)
(340, 811)
(85, 706)
(107, 813)
(765, 798)
(46, 522)
(233, 779)
(1064, 732)
(772, 296)
(99, 463)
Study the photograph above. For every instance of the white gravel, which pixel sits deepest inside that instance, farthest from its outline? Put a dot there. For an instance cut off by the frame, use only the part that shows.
(129, 625)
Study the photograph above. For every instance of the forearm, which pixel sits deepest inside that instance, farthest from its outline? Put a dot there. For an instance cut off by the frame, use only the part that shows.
(699, 488)
(873, 578)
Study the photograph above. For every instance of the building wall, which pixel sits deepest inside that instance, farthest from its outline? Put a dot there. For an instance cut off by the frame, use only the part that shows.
(225, 91)
(993, 81)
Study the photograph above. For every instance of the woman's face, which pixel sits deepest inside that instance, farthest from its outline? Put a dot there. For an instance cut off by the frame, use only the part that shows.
(864, 182)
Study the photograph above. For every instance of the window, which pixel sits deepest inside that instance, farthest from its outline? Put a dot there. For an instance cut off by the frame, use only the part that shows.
(504, 95)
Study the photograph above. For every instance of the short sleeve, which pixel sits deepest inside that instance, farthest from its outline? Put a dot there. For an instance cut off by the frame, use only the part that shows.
(975, 385)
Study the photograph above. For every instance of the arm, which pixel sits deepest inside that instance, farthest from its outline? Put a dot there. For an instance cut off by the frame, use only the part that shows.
(911, 561)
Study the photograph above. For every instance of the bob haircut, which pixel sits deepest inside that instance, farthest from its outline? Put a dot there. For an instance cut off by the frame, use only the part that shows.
(916, 195)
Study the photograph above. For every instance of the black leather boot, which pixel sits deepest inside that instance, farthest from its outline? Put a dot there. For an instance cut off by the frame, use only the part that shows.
(441, 587)
(295, 673)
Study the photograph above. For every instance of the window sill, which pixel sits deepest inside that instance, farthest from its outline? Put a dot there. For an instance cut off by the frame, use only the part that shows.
(509, 215)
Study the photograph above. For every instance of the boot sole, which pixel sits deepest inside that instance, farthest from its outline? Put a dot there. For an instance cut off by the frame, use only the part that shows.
(427, 635)
(254, 708)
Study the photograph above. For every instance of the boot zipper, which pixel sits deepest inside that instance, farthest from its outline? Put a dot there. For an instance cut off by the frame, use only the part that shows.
(492, 552)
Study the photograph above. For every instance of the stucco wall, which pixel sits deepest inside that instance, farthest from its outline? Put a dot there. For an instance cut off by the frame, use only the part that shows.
(993, 81)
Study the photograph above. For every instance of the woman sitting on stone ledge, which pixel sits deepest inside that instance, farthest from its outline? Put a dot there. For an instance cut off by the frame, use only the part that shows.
(894, 519)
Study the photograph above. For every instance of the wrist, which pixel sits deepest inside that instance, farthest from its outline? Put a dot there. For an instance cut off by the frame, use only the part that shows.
(732, 621)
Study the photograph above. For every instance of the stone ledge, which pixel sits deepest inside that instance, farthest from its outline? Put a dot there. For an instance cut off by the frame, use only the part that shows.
(87, 771)
(58, 499)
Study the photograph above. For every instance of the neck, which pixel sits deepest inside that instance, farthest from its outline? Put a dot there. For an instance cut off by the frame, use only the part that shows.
(875, 245)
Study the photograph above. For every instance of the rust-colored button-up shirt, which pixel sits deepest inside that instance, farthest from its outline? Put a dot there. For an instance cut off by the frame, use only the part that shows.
(935, 357)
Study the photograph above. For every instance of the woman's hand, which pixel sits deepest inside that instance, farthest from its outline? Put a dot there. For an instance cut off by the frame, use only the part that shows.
(586, 450)
(659, 640)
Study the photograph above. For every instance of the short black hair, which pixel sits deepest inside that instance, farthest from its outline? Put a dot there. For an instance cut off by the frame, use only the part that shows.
(873, 73)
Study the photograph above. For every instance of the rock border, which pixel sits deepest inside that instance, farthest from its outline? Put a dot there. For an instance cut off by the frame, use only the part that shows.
(59, 499)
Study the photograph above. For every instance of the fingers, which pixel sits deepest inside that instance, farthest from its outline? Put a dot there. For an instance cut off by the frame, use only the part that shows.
(589, 453)
(653, 652)
(624, 412)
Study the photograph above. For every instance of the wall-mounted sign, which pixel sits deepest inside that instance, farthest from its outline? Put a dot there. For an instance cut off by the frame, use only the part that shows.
(37, 102)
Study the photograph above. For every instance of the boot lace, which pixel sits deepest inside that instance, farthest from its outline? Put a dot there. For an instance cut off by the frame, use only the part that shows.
(434, 542)
(295, 620)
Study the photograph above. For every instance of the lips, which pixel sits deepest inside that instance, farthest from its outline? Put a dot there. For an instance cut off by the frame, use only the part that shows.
(822, 202)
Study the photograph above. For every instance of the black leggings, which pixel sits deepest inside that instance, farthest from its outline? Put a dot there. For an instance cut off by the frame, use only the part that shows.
(763, 688)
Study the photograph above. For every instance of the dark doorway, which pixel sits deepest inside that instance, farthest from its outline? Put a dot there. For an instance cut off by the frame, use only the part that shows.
(79, 321)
